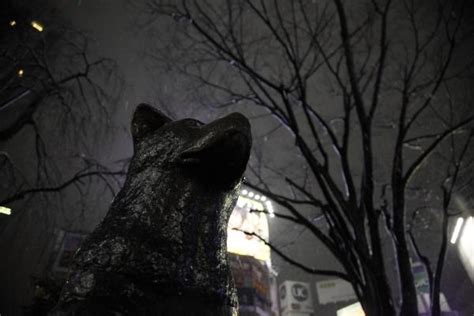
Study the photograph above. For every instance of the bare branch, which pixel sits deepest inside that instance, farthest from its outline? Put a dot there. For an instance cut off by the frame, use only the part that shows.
(296, 263)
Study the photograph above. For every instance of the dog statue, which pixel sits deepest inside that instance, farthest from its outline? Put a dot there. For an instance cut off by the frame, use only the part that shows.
(161, 249)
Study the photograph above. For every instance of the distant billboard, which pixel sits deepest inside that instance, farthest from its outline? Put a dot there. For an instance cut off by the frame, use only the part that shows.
(334, 290)
(295, 297)
(67, 245)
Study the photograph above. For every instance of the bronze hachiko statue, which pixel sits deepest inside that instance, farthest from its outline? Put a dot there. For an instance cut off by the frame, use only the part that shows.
(161, 249)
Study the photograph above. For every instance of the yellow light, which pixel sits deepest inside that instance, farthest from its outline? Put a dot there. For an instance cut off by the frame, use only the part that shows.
(38, 26)
(20, 73)
(5, 210)
(12, 23)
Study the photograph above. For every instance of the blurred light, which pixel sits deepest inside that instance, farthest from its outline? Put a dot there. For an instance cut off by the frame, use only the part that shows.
(12, 23)
(457, 230)
(38, 26)
(20, 73)
(272, 215)
(466, 247)
(351, 310)
(245, 192)
(251, 194)
(241, 202)
(263, 198)
(5, 210)
(257, 197)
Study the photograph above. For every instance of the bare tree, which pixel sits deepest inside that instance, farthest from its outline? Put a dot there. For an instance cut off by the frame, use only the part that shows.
(368, 92)
(57, 98)
(57, 101)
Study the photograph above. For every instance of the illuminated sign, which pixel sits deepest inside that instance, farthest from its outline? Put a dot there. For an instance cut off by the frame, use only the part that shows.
(334, 290)
(295, 297)
(243, 219)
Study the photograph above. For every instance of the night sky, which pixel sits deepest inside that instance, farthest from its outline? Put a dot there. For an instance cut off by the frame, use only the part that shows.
(113, 27)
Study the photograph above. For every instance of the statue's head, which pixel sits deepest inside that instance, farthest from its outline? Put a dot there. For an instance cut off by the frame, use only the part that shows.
(215, 154)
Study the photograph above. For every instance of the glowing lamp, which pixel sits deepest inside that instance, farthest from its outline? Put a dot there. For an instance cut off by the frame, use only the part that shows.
(457, 230)
(5, 210)
(37, 26)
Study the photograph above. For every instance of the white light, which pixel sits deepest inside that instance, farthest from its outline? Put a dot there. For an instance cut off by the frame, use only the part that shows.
(20, 73)
(5, 210)
(251, 194)
(12, 23)
(263, 198)
(272, 215)
(257, 197)
(240, 202)
(466, 247)
(37, 26)
(457, 230)
(352, 310)
(245, 192)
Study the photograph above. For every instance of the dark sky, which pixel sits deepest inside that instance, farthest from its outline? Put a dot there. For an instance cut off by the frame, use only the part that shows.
(111, 23)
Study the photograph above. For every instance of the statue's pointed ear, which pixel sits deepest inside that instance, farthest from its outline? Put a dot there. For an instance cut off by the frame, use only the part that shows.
(146, 119)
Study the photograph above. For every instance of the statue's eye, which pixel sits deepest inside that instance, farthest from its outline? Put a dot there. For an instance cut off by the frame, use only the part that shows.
(193, 123)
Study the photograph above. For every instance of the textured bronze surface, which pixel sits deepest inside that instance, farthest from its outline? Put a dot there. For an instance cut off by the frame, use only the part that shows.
(161, 249)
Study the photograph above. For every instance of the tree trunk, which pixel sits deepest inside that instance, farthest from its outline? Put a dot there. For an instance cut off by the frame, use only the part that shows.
(378, 299)
(407, 282)
(436, 290)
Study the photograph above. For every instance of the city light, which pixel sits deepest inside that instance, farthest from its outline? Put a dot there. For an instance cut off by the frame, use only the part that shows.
(457, 230)
(255, 201)
(351, 310)
(12, 23)
(20, 73)
(466, 246)
(38, 26)
(5, 210)
(250, 215)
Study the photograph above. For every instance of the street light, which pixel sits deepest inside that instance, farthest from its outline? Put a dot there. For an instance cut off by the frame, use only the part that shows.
(457, 230)
(5, 210)
(37, 25)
